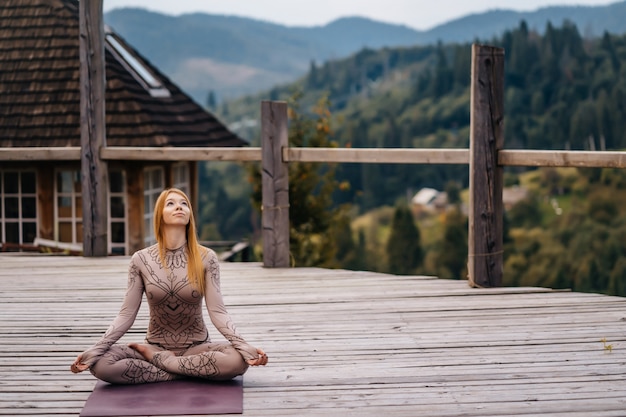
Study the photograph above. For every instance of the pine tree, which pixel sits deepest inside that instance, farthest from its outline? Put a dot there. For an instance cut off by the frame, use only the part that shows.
(452, 257)
(404, 250)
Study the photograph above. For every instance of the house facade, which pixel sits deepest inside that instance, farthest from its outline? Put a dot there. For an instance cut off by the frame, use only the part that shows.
(40, 107)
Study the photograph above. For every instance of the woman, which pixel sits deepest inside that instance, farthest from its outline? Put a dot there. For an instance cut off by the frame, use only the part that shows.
(175, 274)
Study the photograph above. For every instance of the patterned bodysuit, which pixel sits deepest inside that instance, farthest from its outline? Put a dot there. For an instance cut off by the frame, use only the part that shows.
(176, 328)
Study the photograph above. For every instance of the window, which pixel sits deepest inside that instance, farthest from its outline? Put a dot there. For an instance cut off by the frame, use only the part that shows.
(18, 206)
(117, 212)
(141, 73)
(180, 172)
(153, 182)
(68, 209)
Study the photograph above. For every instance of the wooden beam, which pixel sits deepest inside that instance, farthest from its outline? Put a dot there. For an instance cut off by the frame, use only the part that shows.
(485, 257)
(275, 177)
(94, 183)
(128, 153)
(506, 157)
(387, 155)
(585, 159)
(70, 153)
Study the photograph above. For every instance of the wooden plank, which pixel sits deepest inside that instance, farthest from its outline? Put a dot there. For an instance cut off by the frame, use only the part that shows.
(378, 155)
(559, 158)
(70, 153)
(169, 153)
(275, 178)
(485, 217)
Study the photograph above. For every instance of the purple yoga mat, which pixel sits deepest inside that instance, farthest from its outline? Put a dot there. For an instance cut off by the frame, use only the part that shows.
(180, 397)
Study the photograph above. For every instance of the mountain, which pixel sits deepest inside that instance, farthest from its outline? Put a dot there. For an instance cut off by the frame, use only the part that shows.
(234, 56)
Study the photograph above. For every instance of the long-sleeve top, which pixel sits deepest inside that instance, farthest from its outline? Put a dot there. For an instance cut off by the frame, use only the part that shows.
(176, 319)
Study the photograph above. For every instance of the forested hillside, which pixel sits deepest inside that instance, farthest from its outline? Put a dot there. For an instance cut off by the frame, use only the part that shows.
(562, 91)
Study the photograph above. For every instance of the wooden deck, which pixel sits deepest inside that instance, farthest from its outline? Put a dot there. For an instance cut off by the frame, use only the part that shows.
(341, 343)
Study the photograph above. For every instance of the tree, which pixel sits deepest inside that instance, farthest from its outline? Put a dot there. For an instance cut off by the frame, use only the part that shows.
(452, 257)
(404, 250)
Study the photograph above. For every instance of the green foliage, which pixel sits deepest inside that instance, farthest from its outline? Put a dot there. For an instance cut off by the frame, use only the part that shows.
(404, 251)
(582, 249)
(221, 215)
(452, 255)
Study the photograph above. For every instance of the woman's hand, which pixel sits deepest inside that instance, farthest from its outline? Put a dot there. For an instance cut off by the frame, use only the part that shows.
(78, 365)
(260, 360)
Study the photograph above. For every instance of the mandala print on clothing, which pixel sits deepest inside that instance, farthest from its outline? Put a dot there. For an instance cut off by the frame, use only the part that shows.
(202, 365)
(214, 269)
(174, 259)
(141, 372)
(138, 371)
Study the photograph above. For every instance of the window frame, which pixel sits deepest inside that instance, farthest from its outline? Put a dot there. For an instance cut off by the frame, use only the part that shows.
(20, 220)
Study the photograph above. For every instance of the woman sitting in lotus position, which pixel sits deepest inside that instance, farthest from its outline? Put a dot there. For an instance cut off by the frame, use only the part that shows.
(176, 274)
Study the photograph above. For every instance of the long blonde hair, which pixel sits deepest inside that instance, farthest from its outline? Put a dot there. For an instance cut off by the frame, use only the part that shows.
(195, 267)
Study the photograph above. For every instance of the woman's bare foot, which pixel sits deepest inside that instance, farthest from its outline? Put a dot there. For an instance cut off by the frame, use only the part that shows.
(146, 350)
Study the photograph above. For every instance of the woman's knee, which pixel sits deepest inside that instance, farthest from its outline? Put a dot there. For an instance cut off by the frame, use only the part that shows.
(235, 364)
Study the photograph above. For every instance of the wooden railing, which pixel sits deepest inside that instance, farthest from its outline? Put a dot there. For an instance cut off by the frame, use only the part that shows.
(485, 157)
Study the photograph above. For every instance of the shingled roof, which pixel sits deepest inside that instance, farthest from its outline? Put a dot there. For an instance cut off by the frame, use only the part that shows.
(40, 95)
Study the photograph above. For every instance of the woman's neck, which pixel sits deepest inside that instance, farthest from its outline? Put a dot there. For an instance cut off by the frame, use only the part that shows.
(174, 237)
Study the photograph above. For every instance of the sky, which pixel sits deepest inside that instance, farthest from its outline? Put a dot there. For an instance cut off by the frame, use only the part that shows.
(416, 14)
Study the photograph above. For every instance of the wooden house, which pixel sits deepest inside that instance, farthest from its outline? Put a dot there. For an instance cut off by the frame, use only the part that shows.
(40, 107)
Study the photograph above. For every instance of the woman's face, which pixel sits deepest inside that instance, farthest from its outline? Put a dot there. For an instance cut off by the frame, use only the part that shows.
(176, 210)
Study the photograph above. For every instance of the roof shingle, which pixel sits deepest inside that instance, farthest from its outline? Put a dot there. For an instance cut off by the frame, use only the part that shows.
(40, 95)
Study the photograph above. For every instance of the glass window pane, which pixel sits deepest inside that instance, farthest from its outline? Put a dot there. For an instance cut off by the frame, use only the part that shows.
(65, 232)
(29, 208)
(76, 177)
(156, 179)
(79, 207)
(28, 182)
(11, 182)
(146, 180)
(64, 205)
(118, 251)
(117, 232)
(79, 232)
(64, 181)
(116, 181)
(29, 232)
(12, 208)
(146, 204)
(117, 207)
(147, 224)
(13, 233)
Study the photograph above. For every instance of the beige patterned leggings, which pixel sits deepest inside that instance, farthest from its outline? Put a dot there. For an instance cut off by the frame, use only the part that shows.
(124, 365)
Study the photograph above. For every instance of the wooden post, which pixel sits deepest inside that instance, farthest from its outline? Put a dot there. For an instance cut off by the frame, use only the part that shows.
(94, 175)
(485, 257)
(275, 176)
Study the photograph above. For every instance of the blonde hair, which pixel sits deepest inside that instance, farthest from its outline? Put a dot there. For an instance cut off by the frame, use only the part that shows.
(195, 267)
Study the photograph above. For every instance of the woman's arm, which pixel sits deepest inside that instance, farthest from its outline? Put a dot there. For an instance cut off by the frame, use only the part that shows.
(217, 311)
(123, 321)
